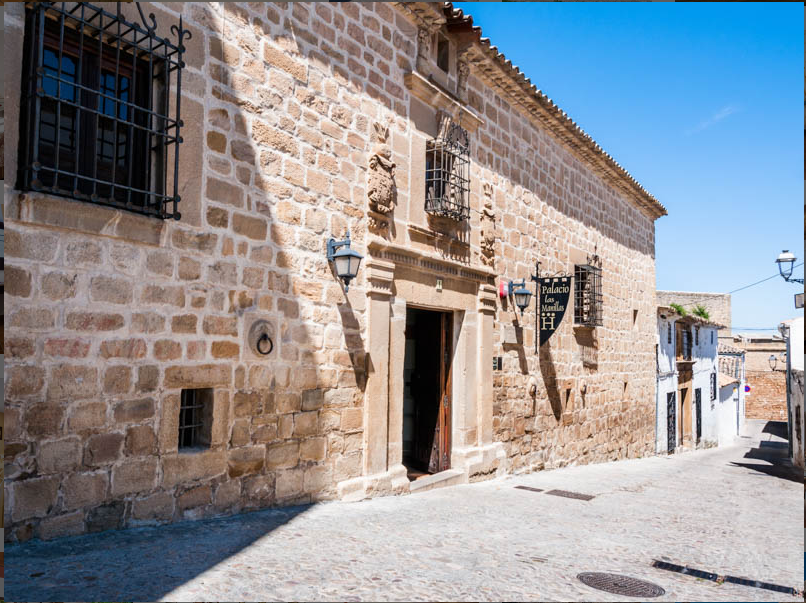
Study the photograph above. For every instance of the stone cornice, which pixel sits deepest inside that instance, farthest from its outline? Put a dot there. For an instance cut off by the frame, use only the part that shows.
(394, 254)
(428, 15)
(433, 95)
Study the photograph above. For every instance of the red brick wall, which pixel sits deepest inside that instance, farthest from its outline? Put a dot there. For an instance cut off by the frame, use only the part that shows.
(767, 399)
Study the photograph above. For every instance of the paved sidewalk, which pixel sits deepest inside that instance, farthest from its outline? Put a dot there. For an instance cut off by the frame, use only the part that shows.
(729, 511)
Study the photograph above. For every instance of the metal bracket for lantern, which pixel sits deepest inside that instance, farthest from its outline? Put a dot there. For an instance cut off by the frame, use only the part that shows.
(522, 295)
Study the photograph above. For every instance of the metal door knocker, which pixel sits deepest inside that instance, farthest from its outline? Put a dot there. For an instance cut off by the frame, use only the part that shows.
(261, 337)
(261, 344)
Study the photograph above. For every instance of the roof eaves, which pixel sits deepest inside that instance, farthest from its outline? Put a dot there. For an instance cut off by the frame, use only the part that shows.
(584, 142)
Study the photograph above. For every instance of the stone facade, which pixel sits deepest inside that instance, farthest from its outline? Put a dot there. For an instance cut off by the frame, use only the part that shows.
(293, 112)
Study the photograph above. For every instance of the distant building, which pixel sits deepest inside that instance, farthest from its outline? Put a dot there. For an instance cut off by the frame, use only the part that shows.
(717, 304)
(688, 414)
(767, 396)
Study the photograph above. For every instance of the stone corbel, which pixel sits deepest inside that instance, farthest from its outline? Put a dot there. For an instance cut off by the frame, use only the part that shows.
(380, 275)
(486, 299)
(462, 74)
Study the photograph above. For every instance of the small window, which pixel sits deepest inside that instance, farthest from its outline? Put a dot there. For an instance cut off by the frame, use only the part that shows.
(669, 333)
(713, 386)
(683, 342)
(443, 53)
(712, 338)
(195, 418)
(447, 173)
(696, 335)
(98, 122)
(587, 295)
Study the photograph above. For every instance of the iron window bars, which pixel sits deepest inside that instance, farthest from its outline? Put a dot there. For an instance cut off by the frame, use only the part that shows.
(100, 108)
(713, 386)
(587, 295)
(447, 174)
(191, 409)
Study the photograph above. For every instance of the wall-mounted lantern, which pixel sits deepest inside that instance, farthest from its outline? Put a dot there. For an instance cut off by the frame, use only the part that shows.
(521, 294)
(786, 263)
(773, 361)
(345, 260)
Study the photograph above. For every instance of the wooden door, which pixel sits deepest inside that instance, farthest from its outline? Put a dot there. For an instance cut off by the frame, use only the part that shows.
(440, 459)
(685, 416)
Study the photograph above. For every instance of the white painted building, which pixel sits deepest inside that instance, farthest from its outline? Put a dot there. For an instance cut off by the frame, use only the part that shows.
(688, 413)
(792, 330)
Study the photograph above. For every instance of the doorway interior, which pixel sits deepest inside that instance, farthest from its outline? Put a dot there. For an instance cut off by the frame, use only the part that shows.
(427, 392)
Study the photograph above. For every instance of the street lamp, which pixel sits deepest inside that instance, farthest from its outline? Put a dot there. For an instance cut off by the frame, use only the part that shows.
(345, 260)
(786, 262)
(522, 295)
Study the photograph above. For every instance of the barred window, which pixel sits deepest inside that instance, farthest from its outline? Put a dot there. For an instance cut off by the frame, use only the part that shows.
(669, 333)
(195, 418)
(683, 342)
(447, 173)
(587, 295)
(713, 386)
(100, 108)
(696, 335)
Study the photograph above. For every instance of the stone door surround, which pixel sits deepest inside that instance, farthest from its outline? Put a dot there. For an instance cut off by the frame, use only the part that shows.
(395, 280)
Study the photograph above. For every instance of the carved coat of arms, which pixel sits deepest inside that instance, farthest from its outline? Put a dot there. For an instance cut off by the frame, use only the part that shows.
(381, 188)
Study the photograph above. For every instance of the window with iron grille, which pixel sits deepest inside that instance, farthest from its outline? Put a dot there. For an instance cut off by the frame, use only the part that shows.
(696, 335)
(587, 295)
(713, 386)
(100, 108)
(447, 173)
(669, 333)
(195, 418)
(683, 342)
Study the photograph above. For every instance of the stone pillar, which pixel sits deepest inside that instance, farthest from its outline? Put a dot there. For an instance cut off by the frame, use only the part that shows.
(464, 376)
(486, 309)
(376, 396)
(397, 351)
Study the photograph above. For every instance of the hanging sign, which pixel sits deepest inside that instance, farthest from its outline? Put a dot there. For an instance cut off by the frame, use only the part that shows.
(554, 293)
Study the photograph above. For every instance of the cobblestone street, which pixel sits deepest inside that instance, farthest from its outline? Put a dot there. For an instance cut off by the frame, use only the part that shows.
(728, 511)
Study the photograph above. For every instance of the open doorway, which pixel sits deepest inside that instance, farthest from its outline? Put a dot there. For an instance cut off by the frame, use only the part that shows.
(427, 392)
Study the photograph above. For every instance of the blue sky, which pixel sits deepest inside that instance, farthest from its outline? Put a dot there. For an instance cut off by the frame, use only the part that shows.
(701, 103)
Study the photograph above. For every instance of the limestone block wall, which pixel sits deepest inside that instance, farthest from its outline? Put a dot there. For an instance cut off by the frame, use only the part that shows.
(717, 304)
(595, 388)
(111, 315)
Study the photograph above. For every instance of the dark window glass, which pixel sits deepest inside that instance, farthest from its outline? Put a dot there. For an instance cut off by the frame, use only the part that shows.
(96, 120)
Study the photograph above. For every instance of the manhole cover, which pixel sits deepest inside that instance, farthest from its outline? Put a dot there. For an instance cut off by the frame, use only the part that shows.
(620, 585)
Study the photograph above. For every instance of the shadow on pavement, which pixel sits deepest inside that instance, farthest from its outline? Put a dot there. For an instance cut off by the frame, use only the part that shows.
(137, 564)
(773, 455)
(776, 428)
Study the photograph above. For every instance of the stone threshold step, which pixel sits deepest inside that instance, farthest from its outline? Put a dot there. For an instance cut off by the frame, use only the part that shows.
(450, 477)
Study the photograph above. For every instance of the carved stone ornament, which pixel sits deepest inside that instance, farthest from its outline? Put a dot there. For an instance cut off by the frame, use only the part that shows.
(488, 227)
(377, 223)
(424, 37)
(381, 188)
(462, 73)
